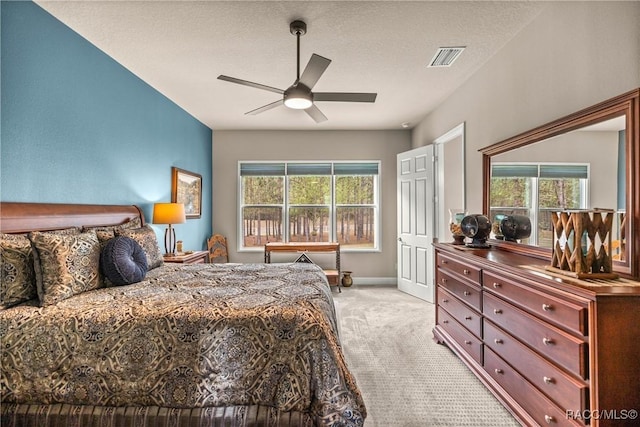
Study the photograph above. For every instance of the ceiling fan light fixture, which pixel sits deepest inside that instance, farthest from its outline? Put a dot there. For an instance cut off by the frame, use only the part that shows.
(298, 103)
(298, 97)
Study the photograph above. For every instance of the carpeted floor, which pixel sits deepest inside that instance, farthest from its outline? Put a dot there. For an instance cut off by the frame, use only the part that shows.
(406, 379)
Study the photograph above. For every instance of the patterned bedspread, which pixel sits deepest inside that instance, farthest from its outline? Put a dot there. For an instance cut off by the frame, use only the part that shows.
(188, 336)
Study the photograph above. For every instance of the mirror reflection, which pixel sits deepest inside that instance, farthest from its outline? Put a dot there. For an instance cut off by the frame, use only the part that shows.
(581, 169)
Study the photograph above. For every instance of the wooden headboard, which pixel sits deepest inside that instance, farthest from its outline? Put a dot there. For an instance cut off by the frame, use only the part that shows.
(17, 217)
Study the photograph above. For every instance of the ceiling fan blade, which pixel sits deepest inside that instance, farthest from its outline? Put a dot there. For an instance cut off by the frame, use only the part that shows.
(266, 107)
(314, 70)
(345, 96)
(250, 84)
(316, 114)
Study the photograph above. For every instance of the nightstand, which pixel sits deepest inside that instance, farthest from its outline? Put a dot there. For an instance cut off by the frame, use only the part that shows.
(197, 257)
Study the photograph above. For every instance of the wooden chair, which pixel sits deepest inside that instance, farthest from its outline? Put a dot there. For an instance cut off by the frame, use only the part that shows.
(217, 245)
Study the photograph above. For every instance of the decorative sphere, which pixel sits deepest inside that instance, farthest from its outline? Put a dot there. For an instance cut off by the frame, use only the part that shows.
(478, 227)
(515, 227)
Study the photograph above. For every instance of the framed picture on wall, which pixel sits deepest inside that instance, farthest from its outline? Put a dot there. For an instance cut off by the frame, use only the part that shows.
(186, 188)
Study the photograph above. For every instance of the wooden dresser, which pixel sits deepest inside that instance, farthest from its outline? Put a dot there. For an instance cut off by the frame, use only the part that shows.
(555, 351)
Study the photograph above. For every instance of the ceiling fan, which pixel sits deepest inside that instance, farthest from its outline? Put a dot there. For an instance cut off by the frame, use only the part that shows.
(299, 96)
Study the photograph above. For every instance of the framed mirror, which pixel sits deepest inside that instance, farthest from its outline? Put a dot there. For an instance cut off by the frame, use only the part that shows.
(587, 160)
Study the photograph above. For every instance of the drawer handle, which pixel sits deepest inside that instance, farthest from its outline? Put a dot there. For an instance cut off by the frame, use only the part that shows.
(549, 419)
(468, 318)
(496, 285)
(445, 321)
(466, 272)
(467, 293)
(444, 281)
(498, 371)
(498, 341)
(547, 307)
(444, 261)
(497, 311)
(445, 301)
(548, 380)
(467, 342)
(548, 341)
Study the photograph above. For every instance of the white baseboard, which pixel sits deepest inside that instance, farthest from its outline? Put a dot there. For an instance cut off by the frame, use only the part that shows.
(375, 281)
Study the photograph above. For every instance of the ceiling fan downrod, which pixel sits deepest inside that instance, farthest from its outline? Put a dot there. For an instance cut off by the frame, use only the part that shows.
(298, 28)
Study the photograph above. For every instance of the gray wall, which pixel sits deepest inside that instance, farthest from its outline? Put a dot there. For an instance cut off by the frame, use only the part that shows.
(232, 146)
(573, 55)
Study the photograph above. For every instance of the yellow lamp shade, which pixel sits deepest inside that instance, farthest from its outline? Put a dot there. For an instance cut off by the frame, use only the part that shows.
(168, 213)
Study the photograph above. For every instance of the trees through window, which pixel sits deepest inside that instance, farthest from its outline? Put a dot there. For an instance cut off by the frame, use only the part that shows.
(537, 189)
(309, 202)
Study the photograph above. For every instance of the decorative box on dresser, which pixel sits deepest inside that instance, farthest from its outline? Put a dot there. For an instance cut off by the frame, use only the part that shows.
(555, 351)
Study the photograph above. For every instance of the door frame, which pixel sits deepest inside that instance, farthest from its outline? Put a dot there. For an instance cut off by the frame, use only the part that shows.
(441, 214)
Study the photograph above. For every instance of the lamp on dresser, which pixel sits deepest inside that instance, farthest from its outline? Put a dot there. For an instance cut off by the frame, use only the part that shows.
(169, 213)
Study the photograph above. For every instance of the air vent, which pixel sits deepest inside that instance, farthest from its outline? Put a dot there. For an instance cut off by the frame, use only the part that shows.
(445, 56)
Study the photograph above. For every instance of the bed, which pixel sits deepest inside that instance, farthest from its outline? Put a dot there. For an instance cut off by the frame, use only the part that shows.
(189, 345)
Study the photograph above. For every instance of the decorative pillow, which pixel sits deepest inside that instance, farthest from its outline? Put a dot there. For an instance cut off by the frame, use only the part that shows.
(65, 231)
(106, 233)
(123, 261)
(146, 238)
(65, 265)
(134, 223)
(17, 278)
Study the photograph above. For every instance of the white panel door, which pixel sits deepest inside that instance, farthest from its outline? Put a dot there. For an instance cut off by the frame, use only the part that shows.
(415, 222)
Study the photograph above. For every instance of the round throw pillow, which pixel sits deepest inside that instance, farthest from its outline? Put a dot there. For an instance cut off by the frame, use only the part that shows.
(123, 261)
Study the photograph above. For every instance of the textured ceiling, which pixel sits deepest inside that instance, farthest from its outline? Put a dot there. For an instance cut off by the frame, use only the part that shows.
(180, 48)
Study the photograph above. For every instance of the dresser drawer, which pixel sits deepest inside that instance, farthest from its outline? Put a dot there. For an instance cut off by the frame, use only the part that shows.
(467, 317)
(467, 293)
(562, 313)
(568, 393)
(550, 342)
(470, 272)
(469, 343)
(538, 406)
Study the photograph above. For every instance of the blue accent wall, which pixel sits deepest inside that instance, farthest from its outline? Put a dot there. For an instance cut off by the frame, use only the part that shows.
(78, 127)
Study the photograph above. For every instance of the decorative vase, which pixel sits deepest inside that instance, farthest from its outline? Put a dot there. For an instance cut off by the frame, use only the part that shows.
(347, 280)
(515, 227)
(478, 228)
(455, 218)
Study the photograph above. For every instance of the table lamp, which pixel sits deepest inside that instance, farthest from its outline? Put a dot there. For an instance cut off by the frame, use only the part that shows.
(169, 213)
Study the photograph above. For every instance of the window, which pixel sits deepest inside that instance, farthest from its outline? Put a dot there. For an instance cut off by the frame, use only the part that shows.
(536, 190)
(309, 202)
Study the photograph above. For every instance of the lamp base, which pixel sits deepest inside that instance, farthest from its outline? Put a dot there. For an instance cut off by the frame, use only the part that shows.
(170, 241)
